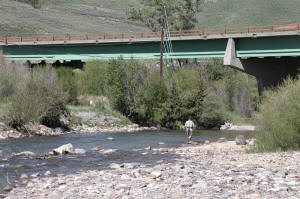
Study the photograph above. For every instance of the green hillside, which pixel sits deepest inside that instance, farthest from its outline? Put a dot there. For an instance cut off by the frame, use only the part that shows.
(99, 16)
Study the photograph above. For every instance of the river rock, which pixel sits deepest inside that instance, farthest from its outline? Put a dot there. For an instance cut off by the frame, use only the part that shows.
(240, 140)
(64, 149)
(79, 151)
(25, 153)
(114, 166)
(109, 151)
(222, 140)
(206, 142)
(156, 174)
(8, 188)
(110, 138)
(24, 176)
(47, 173)
(148, 148)
(96, 148)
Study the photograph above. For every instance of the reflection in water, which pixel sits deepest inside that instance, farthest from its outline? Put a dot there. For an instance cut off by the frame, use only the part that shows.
(130, 149)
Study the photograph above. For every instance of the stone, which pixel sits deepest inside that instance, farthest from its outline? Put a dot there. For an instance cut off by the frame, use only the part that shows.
(110, 138)
(1, 154)
(96, 148)
(161, 143)
(25, 153)
(109, 151)
(79, 151)
(222, 139)
(206, 142)
(64, 149)
(156, 174)
(24, 176)
(8, 188)
(34, 175)
(115, 166)
(240, 140)
(47, 173)
(148, 148)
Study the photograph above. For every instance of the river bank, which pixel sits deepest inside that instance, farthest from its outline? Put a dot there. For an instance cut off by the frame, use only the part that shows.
(41, 130)
(214, 170)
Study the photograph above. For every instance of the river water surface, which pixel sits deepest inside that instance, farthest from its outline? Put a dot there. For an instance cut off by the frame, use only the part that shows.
(131, 149)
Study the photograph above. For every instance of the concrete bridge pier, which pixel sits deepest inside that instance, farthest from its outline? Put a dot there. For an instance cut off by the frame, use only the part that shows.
(269, 71)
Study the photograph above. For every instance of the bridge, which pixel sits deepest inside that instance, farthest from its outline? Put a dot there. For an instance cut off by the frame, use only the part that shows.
(270, 53)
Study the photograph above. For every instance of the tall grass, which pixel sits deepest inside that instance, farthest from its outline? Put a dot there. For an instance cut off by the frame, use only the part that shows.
(279, 117)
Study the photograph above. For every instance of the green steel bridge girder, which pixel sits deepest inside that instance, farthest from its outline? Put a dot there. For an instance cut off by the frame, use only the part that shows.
(245, 48)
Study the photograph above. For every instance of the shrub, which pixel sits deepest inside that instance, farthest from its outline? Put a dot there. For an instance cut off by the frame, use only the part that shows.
(279, 116)
(92, 81)
(11, 75)
(39, 99)
(123, 80)
(67, 79)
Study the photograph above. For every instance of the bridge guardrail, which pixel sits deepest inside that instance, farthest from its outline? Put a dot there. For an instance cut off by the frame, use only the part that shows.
(144, 35)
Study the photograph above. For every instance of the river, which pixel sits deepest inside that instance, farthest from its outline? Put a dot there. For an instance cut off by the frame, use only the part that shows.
(131, 148)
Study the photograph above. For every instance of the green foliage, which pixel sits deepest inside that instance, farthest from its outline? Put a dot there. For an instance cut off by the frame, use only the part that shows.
(11, 75)
(136, 91)
(92, 81)
(279, 116)
(68, 80)
(181, 13)
(39, 99)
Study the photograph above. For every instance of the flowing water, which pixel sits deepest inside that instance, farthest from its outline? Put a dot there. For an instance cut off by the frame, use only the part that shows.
(131, 148)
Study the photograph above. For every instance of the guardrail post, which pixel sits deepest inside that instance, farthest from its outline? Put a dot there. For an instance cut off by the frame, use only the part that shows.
(248, 30)
(122, 35)
(53, 37)
(86, 37)
(225, 31)
(272, 28)
(104, 37)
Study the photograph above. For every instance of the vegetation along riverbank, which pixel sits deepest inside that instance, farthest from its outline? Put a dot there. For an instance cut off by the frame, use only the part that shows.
(121, 93)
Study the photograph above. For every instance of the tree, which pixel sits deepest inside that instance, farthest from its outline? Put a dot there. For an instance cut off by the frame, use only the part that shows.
(181, 13)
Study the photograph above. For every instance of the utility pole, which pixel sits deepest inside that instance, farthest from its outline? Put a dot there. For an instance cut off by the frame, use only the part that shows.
(162, 41)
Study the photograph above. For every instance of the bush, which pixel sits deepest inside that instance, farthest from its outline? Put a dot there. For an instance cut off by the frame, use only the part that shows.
(92, 81)
(11, 75)
(279, 116)
(123, 80)
(67, 79)
(39, 99)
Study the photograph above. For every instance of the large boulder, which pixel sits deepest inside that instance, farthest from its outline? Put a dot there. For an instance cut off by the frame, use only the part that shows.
(240, 140)
(64, 149)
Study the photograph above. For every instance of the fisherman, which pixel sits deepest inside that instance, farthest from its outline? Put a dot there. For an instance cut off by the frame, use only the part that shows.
(189, 125)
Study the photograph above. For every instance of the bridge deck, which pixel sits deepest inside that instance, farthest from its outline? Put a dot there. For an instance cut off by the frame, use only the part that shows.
(261, 41)
(250, 31)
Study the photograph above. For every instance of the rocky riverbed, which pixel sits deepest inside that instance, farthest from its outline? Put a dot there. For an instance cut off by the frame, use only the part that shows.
(211, 170)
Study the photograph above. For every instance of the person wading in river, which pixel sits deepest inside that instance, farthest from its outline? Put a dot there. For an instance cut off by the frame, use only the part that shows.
(189, 125)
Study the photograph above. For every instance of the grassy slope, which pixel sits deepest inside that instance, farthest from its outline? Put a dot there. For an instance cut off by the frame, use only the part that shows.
(66, 16)
(239, 13)
(99, 16)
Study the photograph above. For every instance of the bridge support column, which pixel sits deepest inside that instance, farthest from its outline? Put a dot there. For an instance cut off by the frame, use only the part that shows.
(269, 71)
